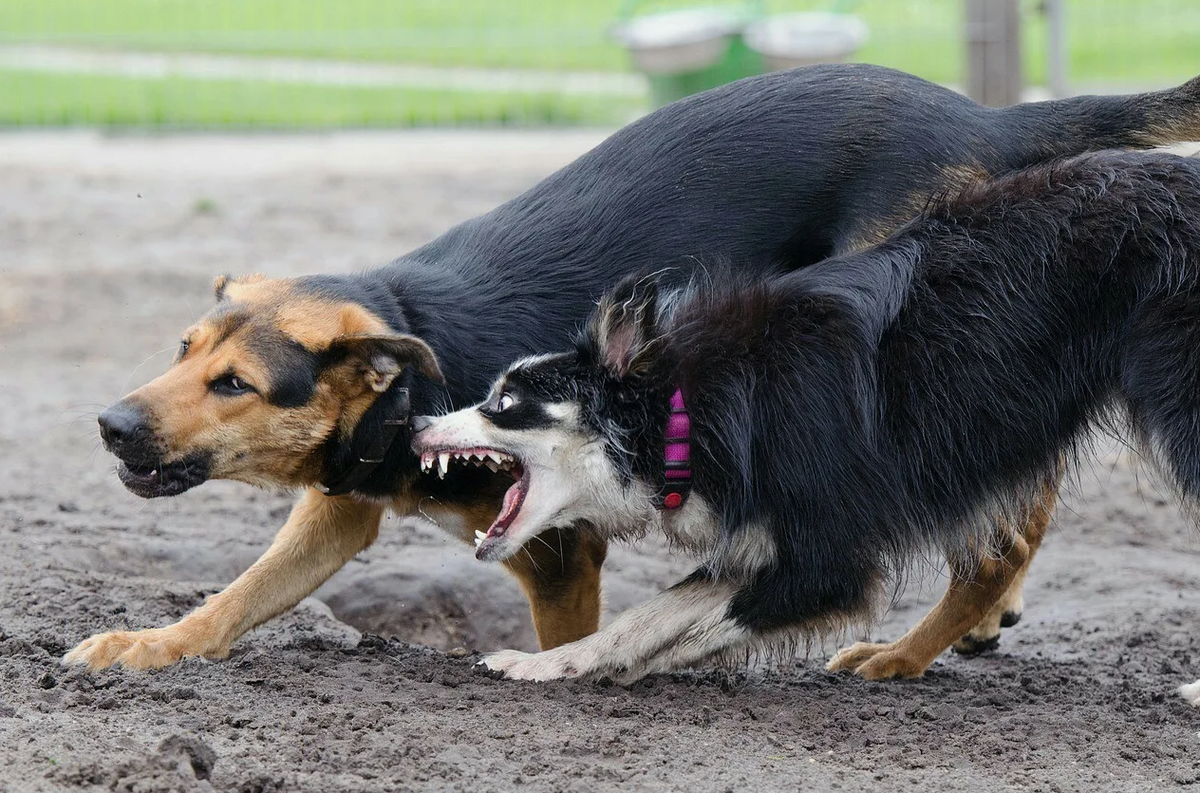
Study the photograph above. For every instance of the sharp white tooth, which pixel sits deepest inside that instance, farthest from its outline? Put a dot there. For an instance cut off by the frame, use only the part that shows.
(493, 455)
(479, 535)
(478, 541)
(443, 463)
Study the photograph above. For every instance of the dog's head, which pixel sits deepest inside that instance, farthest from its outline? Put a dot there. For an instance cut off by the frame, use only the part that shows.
(580, 433)
(258, 387)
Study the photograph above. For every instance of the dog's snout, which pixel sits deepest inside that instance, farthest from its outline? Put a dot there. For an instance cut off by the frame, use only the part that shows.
(421, 423)
(123, 424)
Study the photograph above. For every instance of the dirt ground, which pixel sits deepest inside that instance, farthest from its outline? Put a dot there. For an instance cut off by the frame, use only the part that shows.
(107, 250)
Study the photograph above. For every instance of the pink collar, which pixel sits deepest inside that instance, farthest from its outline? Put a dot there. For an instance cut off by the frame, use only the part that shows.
(677, 455)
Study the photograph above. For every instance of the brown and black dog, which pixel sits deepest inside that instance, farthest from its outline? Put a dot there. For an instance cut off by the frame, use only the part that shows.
(312, 382)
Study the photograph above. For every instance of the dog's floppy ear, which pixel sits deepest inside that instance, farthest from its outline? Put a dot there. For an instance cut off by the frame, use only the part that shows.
(625, 326)
(386, 356)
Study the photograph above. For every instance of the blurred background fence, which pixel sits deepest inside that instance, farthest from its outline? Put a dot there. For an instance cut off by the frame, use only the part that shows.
(271, 64)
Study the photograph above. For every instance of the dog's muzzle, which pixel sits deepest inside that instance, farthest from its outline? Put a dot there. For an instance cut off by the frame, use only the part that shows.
(127, 433)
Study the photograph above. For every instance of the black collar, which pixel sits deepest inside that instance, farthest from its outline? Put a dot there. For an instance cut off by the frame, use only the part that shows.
(375, 447)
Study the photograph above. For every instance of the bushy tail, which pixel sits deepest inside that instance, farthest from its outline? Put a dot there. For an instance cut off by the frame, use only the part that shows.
(1167, 117)
(1066, 127)
(1160, 378)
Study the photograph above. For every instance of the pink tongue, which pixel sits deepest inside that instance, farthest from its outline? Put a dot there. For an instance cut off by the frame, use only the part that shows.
(509, 511)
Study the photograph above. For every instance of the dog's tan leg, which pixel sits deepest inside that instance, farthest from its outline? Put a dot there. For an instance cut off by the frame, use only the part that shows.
(559, 571)
(1007, 610)
(320, 536)
(975, 587)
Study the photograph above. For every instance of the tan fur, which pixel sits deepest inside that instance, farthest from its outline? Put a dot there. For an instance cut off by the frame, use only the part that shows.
(560, 574)
(559, 571)
(952, 178)
(1013, 599)
(977, 588)
(253, 441)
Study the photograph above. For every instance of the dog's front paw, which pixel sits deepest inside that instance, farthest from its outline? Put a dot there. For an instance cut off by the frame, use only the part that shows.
(877, 662)
(548, 665)
(1191, 692)
(148, 649)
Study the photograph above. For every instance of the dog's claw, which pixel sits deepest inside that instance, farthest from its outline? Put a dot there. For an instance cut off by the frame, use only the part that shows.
(970, 645)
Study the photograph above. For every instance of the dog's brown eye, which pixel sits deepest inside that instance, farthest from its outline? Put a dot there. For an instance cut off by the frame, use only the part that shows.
(184, 346)
(231, 385)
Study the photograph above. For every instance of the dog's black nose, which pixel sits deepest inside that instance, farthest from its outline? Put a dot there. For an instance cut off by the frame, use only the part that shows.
(122, 424)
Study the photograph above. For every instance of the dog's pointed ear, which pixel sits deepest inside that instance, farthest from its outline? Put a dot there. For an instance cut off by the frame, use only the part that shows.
(625, 326)
(219, 284)
(222, 283)
(384, 357)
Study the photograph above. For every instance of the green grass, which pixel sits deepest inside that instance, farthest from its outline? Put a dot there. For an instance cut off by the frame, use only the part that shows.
(541, 34)
(1139, 39)
(34, 98)
(1111, 43)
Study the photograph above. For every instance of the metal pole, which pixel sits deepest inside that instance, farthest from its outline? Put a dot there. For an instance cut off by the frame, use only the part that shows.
(993, 30)
(1056, 30)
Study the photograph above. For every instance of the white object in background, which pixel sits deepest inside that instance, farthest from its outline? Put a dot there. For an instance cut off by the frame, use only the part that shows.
(789, 40)
(675, 42)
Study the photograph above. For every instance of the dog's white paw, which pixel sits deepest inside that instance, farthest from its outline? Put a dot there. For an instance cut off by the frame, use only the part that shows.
(1191, 692)
(548, 665)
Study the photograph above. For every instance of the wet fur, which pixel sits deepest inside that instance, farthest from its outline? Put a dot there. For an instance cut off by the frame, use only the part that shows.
(861, 411)
(775, 171)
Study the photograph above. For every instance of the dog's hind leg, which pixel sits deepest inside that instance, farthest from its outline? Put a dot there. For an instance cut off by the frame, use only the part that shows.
(320, 536)
(1008, 609)
(976, 586)
(559, 571)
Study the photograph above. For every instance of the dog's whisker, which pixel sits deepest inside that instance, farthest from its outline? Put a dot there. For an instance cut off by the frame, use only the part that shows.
(532, 561)
(146, 360)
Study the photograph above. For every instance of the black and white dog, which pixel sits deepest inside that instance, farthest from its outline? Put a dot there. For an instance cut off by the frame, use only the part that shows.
(805, 436)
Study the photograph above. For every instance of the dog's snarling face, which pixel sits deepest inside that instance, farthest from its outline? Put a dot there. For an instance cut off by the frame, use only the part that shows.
(257, 387)
(576, 431)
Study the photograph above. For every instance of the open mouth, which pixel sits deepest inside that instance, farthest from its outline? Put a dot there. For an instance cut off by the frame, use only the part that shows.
(496, 461)
(166, 479)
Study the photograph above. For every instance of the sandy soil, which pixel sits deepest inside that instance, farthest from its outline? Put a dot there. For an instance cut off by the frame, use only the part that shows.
(107, 249)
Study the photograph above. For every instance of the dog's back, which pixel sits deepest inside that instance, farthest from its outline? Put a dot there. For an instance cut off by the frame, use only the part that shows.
(846, 151)
(785, 169)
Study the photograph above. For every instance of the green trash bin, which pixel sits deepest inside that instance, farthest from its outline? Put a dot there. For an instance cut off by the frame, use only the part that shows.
(689, 50)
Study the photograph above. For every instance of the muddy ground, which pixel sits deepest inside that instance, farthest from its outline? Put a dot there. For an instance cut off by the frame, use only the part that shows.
(107, 250)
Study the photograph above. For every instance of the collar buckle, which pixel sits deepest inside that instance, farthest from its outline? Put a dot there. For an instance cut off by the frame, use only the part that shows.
(375, 453)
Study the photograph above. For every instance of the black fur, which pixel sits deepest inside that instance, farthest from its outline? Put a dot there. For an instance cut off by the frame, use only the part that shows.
(778, 170)
(887, 401)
